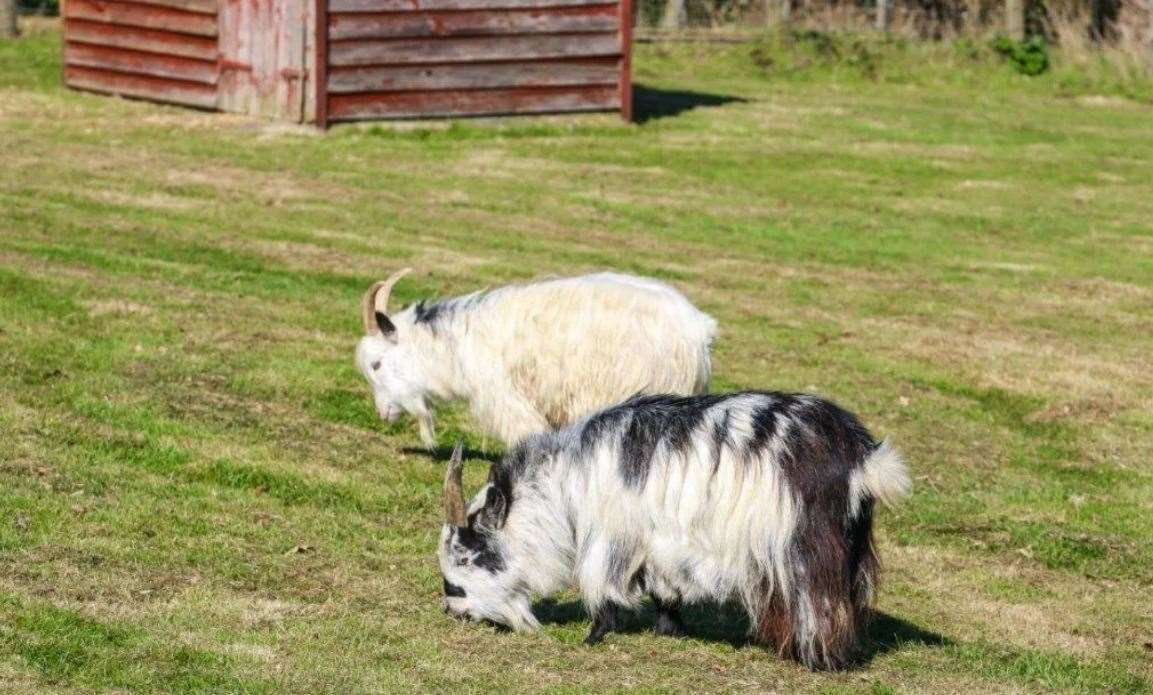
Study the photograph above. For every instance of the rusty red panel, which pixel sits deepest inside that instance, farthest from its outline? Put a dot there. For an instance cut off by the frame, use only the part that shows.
(337, 6)
(200, 6)
(460, 50)
(121, 60)
(150, 40)
(141, 86)
(588, 18)
(320, 83)
(146, 16)
(626, 64)
(473, 103)
(553, 73)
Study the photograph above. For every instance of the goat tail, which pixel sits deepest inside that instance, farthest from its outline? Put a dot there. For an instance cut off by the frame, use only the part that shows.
(883, 476)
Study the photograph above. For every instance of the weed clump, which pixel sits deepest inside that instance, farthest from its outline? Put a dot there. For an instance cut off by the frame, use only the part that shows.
(1029, 57)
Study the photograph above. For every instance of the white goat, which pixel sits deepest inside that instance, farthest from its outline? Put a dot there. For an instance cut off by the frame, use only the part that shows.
(535, 356)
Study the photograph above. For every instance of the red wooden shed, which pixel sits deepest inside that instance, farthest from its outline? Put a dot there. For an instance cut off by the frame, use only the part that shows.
(325, 61)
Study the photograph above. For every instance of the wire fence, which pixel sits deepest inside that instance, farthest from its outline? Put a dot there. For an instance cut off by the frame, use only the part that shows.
(1101, 21)
(1084, 25)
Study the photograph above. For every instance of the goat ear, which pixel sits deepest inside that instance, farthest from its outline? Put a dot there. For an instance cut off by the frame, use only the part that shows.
(495, 510)
(387, 327)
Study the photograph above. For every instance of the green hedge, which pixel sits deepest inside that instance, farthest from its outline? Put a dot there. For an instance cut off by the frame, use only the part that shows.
(49, 8)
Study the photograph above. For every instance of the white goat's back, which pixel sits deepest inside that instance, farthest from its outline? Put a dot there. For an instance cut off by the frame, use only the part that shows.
(572, 346)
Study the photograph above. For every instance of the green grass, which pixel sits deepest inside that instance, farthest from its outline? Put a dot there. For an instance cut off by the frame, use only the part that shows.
(195, 493)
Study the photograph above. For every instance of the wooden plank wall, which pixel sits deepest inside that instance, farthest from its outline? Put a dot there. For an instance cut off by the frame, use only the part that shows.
(163, 50)
(264, 54)
(428, 58)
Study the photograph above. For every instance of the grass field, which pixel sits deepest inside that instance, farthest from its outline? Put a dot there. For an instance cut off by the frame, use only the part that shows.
(196, 495)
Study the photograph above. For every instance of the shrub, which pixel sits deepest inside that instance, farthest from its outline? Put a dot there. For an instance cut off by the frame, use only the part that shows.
(48, 8)
(1030, 57)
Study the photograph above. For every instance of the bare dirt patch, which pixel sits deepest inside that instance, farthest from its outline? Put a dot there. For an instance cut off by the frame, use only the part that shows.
(116, 307)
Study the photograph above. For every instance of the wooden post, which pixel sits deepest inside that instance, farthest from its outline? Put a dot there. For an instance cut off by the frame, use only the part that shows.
(625, 81)
(884, 10)
(786, 11)
(1015, 19)
(8, 26)
(320, 76)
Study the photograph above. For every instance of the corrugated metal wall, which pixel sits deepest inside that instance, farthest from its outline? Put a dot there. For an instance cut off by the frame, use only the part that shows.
(420, 58)
(165, 50)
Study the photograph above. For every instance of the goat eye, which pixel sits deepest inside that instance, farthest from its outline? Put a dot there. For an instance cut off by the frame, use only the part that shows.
(375, 365)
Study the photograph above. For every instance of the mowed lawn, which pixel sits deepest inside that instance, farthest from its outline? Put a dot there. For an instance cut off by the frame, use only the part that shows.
(196, 493)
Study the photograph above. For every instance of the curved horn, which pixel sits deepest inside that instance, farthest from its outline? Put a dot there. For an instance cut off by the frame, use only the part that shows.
(376, 299)
(454, 506)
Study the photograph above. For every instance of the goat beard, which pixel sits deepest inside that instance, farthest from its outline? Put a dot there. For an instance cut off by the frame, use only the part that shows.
(520, 618)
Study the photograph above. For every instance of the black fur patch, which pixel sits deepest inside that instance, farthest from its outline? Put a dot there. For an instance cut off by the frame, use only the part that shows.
(600, 427)
(453, 591)
(720, 439)
(433, 314)
(428, 312)
(823, 442)
(651, 421)
(763, 423)
(480, 545)
(638, 444)
(823, 445)
(684, 417)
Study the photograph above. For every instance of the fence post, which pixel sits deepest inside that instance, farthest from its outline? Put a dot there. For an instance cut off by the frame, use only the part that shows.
(8, 27)
(1096, 19)
(884, 10)
(1015, 19)
(787, 11)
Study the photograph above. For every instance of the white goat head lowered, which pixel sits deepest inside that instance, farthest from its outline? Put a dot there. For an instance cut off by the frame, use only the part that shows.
(764, 498)
(392, 368)
(535, 356)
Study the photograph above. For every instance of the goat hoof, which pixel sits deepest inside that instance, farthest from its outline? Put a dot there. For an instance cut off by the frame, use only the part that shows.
(670, 628)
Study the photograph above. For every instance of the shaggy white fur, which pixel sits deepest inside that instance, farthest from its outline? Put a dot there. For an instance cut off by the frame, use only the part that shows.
(764, 498)
(538, 356)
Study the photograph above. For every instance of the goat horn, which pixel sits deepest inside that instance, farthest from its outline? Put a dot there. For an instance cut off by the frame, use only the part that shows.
(376, 299)
(454, 507)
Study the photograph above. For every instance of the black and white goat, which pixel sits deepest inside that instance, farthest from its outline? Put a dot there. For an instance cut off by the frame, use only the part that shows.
(763, 498)
(534, 356)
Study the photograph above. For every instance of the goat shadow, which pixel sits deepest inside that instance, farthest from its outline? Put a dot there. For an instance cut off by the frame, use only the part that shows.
(650, 103)
(728, 624)
(442, 453)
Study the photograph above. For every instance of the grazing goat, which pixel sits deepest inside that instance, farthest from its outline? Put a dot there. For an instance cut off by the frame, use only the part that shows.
(536, 356)
(763, 498)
